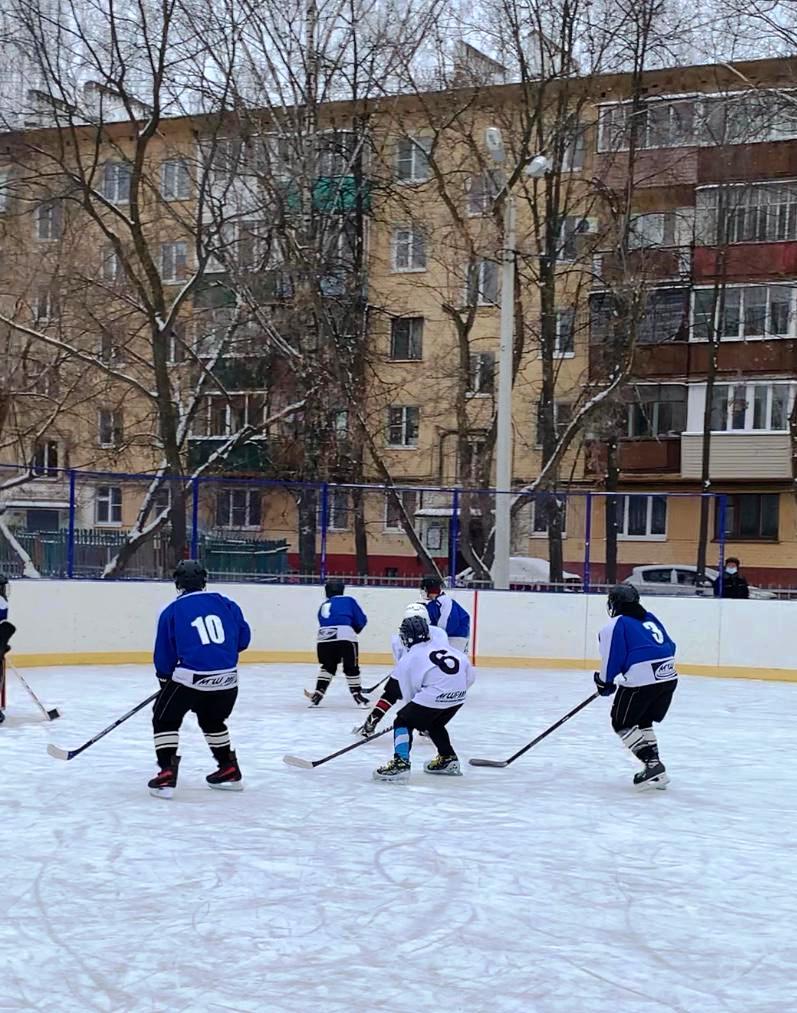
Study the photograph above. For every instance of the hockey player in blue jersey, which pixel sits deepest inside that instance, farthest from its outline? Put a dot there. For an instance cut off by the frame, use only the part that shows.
(637, 660)
(340, 620)
(446, 613)
(199, 638)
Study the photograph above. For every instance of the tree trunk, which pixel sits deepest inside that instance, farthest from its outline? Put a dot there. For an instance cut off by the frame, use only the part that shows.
(360, 532)
(307, 509)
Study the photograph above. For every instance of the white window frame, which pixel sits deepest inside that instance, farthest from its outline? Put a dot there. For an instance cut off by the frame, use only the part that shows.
(411, 499)
(415, 326)
(415, 156)
(5, 191)
(115, 420)
(49, 220)
(111, 267)
(338, 502)
(175, 179)
(481, 267)
(533, 518)
(414, 243)
(174, 261)
(112, 500)
(765, 206)
(45, 307)
(116, 181)
(556, 408)
(406, 427)
(47, 468)
(655, 406)
(252, 494)
(570, 227)
(483, 188)
(625, 505)
(210, 402)
(476, 371)
(731, 291)
(750, 388)
(566, 313)
(574, 153)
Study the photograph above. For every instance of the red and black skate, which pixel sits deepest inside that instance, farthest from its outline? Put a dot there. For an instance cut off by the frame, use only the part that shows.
(228, 777)
(165, 781)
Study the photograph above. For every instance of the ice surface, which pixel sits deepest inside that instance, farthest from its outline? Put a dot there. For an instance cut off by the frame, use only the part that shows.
(547, 887)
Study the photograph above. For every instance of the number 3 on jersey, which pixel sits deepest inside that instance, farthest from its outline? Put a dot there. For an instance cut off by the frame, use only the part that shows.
(655, 632)
(210, 629)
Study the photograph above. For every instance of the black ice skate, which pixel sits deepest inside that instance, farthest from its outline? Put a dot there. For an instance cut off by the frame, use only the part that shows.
(360, 700)
(165, 781)
(368, 727)
(2, 717)
(228, 777)
(315, 698)
(397, 770)
(443, 765)
(653, 776)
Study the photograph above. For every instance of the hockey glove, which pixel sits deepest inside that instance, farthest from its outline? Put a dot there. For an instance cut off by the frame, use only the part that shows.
(604, 688)
(164, 680)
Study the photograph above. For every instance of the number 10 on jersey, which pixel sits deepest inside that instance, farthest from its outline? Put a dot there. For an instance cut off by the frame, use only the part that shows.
(210, 629)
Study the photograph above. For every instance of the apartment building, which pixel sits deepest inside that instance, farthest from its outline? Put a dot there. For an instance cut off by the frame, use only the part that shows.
(713, 235)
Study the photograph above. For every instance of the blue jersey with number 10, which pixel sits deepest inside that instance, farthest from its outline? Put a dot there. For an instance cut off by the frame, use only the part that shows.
(201, 631)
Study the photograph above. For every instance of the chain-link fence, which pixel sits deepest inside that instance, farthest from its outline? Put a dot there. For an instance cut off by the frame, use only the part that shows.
(85, 524)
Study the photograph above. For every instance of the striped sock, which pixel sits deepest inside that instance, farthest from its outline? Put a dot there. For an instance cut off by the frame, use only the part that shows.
(401, 743)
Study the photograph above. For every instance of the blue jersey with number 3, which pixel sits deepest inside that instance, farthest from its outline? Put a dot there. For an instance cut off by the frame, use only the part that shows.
(201, 631)
(636, 652)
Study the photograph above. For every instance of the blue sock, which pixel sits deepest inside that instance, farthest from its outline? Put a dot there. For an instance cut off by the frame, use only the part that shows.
(401, 743)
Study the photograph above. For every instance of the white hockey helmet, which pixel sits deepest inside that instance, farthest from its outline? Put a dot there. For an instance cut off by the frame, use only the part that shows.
(416, 608)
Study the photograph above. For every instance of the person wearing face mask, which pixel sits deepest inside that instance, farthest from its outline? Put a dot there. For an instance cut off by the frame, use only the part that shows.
(734, 585)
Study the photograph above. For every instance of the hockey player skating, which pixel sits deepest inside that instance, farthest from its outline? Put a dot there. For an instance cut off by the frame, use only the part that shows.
(340, 619)
(638, 660)
(434, 681)
(446, 613)
(391, 692)
(199, 637)
(6, 630)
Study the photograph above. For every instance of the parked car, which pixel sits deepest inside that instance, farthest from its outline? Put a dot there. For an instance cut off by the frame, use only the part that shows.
(526, 573)
(680, 579)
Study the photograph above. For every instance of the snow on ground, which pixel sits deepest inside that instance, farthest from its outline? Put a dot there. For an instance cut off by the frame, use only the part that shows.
(547, 887)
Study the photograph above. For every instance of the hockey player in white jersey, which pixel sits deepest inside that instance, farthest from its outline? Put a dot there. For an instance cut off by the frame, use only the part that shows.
(434, 682)
(391, 693)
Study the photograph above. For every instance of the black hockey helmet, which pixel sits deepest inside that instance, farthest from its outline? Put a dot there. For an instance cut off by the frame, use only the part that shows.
(433, 584)
(620, 598)
(3, 586)
(333, 588)
(414, 630)
(190, 575)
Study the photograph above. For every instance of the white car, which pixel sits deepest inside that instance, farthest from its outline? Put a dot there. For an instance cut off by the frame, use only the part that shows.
(526, 573)
(679, 578)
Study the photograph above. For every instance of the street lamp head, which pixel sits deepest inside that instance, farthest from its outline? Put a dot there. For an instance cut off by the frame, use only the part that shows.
(537, 167)
(494, 143)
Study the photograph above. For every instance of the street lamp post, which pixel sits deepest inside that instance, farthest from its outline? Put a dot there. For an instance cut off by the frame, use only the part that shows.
(535, 168)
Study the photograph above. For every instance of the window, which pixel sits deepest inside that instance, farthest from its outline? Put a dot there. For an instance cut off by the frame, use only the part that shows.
(565, 333)
(409, 500)
(482, 288)
(45, 459)
(110, 426)
(657, 575)
(749, 515)
(406, 338)
(571, 228)
(754, 311)
(657, 411)
(175, 179)
(642, 517)
(409, 250)
(481, 378)
(5, 190)
(45, 306)
(224, 415)
(108, 505)
(174, 261)
(338, 506)
(482, 191)
(543, 505)
(116, 182)
(575, 149)
(111, 267)
(748, 407)
(402, 426)
(176, 351)
(337, 150)
(412, 159)
(238, 508)
(49, 220)
(562, 414)
(747, 213)
(665, 318)
(108, 351)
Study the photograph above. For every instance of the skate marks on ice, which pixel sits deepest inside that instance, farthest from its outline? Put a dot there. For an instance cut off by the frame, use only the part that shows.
(547, 887)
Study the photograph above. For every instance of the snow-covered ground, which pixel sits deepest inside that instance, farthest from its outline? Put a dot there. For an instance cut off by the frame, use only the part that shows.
(547, 887)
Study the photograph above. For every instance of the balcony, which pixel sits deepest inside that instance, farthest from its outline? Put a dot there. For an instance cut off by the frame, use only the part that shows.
(651, 456)
(654, 264)
(751, 262)
(738, 456)
(250, 458)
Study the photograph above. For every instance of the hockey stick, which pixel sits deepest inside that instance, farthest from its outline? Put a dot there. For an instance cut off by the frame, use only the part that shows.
(70, 754)
(505, 763)
(297, 761)
(50, 714)
(376, 685)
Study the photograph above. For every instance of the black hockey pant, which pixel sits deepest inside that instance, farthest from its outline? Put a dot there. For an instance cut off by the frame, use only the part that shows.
(413, 717)
(212, 708)
(334, 653)
(640, 706)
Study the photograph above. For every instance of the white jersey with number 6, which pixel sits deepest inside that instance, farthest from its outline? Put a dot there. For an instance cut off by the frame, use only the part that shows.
(434, 676)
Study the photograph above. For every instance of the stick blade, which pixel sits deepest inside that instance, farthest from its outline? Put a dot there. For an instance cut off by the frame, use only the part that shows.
(297, 761)
(476, 762)
(58, 753)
